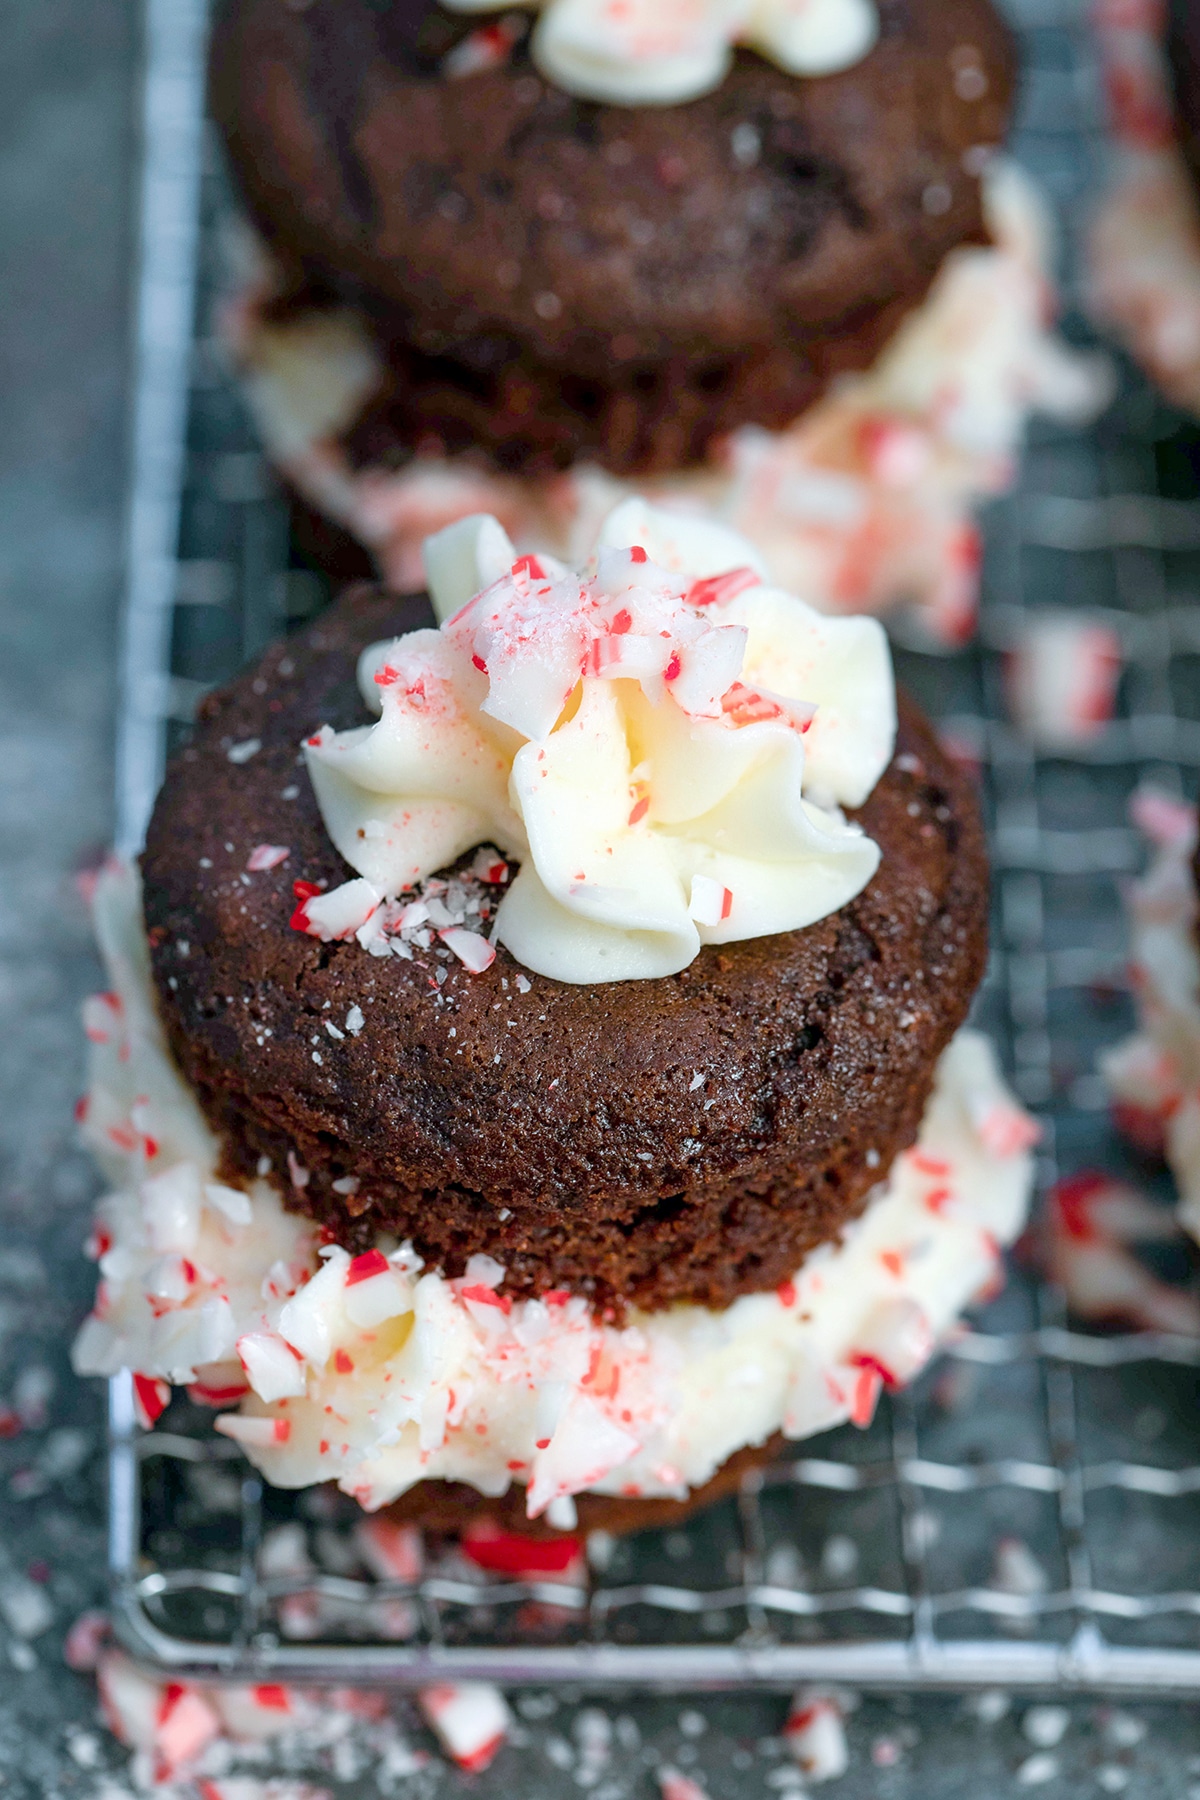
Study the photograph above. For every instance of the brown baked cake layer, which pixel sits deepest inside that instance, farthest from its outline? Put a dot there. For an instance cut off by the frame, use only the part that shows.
(453, 1507)
(551, 279)
(560, 1130)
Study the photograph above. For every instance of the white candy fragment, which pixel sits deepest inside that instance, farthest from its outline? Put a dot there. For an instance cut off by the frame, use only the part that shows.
(1046, 1726)
(176, 1723)
(272, 1368)
(391, 1551)
(254, 1432)
(472, 950)
(340, 913)
(266, 856)
(711, 901)
(471, 1720)
(231, 1203)
(675, 1785)
(1062, 678)
(816, 1736)
(171, 1208)
(309, 1318)
(896, 1341)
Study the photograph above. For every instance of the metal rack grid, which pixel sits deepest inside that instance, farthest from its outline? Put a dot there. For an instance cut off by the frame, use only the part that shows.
(870, 1557)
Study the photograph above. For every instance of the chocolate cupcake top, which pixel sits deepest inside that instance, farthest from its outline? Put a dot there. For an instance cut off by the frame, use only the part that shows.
(496, 216)
(636, 1139)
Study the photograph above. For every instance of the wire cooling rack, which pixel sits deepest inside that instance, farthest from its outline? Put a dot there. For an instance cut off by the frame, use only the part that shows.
(1029, 1515)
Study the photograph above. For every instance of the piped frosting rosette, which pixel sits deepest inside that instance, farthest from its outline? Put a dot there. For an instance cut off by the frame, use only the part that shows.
(664, 744)
(377, 1372)
(660, 52)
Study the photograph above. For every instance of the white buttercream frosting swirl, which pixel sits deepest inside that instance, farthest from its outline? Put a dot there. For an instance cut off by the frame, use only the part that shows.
(660, 52)
(665, 746)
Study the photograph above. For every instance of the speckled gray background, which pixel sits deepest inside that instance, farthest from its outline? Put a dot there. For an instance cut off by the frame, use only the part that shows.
(66, 82)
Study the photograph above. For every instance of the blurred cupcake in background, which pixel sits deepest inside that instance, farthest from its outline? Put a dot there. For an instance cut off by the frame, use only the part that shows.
(760, 261)
(1145, 244)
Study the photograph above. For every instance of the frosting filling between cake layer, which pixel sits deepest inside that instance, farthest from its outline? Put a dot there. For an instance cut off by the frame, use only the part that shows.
(665, 745)
(862, 505)
(660, 52)
(377, 1373)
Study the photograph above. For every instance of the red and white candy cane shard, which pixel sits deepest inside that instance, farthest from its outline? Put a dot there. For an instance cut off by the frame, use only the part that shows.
(471, 949)
(1166, 821)
(1062, 678)
(249, 1787)
(187, 1723)
(471, 1721)
(266, 856)
(258, 1713)
(816, 1736)
(391, 1551)
(85, 1641)
(338, 914)
(677, 1786)
(1091, 1222)
(151, 1397)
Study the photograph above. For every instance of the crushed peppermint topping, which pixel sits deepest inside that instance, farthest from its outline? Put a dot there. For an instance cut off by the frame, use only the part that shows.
(267, 856)
(241, 753)
(457, 908)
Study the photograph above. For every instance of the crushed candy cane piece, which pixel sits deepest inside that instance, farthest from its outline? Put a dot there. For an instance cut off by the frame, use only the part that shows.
(471, 950)
(675, 1785)
(1062, 678)
(274, 1370)
(816, 1737)
(151, 1397)
(85, 1641)
(711, 902)
(339, 913)
(471, 1721)
(266, 856)
(391, 1551)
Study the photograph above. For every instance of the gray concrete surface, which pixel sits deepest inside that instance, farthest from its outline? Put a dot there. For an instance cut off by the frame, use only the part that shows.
(65, 83)
(65, 151)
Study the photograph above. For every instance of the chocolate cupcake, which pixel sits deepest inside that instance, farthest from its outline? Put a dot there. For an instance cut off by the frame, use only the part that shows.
(1144, 251)
(556, 1084)
(643, 252)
